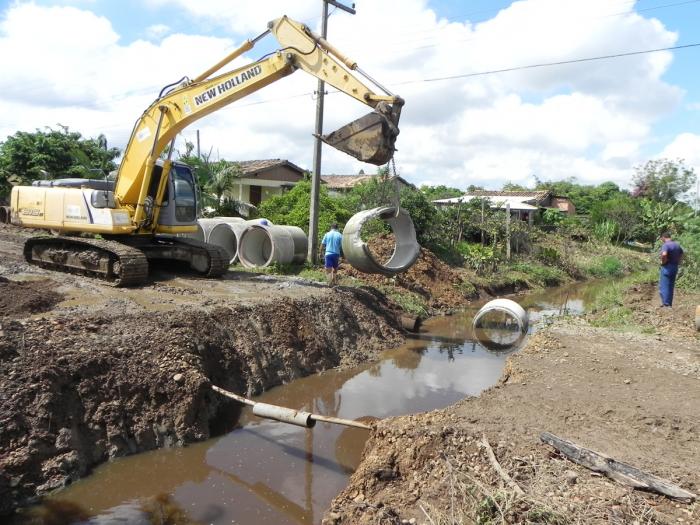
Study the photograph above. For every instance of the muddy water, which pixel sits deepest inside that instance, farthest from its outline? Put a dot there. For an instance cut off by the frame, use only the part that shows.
(268, 472)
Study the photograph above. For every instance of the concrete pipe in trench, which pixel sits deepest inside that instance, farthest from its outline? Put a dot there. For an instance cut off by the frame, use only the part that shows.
(360, 256)
(261, 246)
(500, 324)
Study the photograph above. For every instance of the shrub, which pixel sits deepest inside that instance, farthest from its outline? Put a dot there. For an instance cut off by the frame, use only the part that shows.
(608, 266)
(540, 275)
(549, 256)
(477, 256)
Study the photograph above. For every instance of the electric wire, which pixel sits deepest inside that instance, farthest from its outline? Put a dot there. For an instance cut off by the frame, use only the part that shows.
(548, 64)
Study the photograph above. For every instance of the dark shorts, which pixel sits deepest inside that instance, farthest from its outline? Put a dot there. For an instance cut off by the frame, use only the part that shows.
(332, 260)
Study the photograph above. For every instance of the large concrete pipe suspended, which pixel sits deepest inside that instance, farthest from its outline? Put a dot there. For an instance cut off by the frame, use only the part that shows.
(261, 246)
(500, 324)
(360, 256)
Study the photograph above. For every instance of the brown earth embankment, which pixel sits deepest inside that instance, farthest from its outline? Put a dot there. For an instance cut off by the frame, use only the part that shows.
(78, 389)
(632, 393)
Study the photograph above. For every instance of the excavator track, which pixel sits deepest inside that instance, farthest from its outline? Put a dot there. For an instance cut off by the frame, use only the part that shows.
(206, 259)
(110, 261)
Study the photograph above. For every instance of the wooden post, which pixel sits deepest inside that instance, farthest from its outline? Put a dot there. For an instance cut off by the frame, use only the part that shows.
(508, 231)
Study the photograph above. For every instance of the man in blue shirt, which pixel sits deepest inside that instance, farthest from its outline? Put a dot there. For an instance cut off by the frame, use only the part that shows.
(671, 255)
(332, 242)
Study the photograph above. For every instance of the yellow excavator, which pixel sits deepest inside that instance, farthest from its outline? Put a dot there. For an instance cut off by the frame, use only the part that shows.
(111, 230)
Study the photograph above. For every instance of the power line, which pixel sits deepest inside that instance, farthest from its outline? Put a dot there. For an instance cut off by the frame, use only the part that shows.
(547, 64)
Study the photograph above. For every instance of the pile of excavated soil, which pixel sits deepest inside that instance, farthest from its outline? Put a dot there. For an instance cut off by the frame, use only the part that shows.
(632, 396)
(78, 390)
(644, 302)
(23, 298)
(442, 286)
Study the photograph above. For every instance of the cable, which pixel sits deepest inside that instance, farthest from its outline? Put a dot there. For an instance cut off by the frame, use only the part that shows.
(547, 64)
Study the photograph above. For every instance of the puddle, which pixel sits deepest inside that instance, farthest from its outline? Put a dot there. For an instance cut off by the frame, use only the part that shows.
(267, 472)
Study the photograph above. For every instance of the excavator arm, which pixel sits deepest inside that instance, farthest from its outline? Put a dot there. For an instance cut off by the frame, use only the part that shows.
(370, 138)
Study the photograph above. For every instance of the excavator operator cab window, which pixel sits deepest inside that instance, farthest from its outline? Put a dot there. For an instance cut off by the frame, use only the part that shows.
(184, 194)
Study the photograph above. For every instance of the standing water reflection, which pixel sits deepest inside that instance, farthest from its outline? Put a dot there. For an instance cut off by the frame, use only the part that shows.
(269, 472)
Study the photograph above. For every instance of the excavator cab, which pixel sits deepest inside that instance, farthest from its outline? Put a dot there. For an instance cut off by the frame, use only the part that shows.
(370, 138)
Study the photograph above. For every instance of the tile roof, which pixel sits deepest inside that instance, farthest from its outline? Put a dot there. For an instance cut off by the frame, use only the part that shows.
(342, 182)
(345, 182)
(255, 166)
(534, 195)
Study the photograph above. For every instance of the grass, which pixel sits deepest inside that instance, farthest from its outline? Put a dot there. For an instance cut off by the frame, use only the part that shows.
(537, 275)
(606, 267)
(410, 302)
(609, 310)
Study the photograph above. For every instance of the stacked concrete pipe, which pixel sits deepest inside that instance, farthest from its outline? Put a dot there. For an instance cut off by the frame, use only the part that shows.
(262, 245)
(220, 234)
(360, 256)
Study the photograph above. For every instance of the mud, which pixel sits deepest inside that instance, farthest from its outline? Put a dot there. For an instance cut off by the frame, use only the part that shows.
(20, 298)
(89, 372)
(444, 287)
(631, 395)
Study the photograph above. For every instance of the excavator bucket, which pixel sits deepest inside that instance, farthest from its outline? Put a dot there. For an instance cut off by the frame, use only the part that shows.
(370, 138)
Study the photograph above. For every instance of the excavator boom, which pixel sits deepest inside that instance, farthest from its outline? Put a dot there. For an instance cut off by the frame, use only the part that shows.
(370, 138)
(152, 200)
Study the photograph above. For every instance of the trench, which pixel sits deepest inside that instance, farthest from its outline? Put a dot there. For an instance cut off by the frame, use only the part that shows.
(267, 472)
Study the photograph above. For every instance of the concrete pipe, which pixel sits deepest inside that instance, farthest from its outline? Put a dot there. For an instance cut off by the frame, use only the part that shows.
(230, 220)
(358, 253)
(286, 415)
(301, 243)
(500, 324)
(697, 318)
(261, 246)
(223, 236)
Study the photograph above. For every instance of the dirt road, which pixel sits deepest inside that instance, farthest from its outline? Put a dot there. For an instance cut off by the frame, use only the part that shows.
(634, 396)
(89, 372)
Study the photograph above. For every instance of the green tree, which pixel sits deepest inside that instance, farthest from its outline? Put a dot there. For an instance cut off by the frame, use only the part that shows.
(658, 217)
(53, 154)
(663, 180)
(621, 217)
(292, 208)
(433, 193)
(583, 196)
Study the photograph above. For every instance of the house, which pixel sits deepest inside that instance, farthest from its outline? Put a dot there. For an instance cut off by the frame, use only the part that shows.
(262, 179)
(339, 184)
(523, 204)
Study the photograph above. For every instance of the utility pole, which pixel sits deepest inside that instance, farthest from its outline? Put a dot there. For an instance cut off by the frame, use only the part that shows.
(318, 131)
(199, 156)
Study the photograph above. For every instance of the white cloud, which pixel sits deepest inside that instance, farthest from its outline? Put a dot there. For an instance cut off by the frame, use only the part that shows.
(589, 120)
(157, 31)
(685, 146)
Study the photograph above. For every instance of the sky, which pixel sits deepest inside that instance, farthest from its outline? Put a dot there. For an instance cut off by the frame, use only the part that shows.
(96, 65)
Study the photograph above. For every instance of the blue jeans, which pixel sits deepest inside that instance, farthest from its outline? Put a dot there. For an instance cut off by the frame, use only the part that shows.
(667, 280)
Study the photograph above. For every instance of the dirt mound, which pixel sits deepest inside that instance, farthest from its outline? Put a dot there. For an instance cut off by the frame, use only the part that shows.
(77, 391)
(644, 302)
(23, 298)
(443, 287)
(626, 395)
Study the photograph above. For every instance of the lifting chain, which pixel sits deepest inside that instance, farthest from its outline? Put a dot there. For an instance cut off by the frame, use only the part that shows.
(391, 171)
